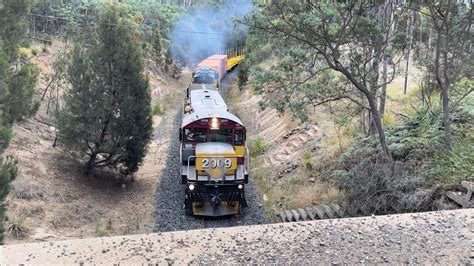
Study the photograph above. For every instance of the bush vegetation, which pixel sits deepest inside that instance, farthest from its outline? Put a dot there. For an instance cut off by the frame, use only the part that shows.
(257, 146)
(17, 227)
(421, 161)
(17, 87)
(158, 108)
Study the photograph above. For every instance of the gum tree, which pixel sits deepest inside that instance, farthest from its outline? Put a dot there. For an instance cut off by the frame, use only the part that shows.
(327, 51)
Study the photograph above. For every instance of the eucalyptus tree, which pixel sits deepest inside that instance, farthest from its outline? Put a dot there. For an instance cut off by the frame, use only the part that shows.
(326, 51)
(448, 53)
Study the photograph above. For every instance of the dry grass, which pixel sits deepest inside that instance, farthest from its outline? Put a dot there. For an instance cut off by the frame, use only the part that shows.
(398, 102)
(305, 194)
(17, 227)
(28, 190)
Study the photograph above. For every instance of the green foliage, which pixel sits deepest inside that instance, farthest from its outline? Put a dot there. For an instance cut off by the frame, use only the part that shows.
(147, 15)
(8, 172)
(158, 47)
(257, 146)
(307, 160)
(452, 166)
(13, 25)
(421, 159)
(302, 74)
(244, 72)
(381, 188)
(21, 90)
(17, 226)
(107, 112)
(158, 108)
(292, 180)
(16, 88)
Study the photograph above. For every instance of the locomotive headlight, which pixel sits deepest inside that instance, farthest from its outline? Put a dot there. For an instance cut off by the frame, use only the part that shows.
(191, 187)
(240, 186)
(214, 123)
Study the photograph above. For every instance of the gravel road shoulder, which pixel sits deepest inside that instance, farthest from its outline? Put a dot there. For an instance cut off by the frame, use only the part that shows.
(427, 238)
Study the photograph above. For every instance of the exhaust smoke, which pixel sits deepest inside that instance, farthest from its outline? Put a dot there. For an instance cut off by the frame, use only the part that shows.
(208, 30)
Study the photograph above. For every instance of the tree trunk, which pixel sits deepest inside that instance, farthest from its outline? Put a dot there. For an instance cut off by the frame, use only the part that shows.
(386, 57)
(91, 163)
(383, 93)
(446, 117)
(409, 31)
(444, 86)
(378, 125)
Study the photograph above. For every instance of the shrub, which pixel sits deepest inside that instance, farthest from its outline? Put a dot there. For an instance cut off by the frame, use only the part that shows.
(389, 120)
(25, 52)
(381, 188)
(35, 50)
(158, 108)
(451, 167)
(28, 191)
(257, 146)
(17, 227)
(306, 158)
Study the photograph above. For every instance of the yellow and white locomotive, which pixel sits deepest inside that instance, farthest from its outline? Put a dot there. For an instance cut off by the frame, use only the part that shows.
(213, 152)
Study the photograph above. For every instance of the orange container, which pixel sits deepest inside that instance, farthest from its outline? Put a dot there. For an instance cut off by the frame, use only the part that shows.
(218, 62)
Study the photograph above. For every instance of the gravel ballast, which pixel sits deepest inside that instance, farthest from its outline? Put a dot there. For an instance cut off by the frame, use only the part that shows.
(444, 237)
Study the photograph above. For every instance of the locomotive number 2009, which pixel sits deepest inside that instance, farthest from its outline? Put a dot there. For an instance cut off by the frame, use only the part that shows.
(216, 163)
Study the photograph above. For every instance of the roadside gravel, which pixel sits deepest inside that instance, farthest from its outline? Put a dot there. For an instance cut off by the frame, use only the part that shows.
(444, 238)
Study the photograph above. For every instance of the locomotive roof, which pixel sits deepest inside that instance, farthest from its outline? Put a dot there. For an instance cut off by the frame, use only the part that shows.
(207, 104)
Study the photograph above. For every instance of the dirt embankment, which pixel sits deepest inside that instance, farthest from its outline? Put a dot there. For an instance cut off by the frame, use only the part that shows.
(424, 238)
(52, 200)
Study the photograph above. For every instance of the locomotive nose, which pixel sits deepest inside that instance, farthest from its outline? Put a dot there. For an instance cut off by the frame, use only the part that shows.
(216, 200)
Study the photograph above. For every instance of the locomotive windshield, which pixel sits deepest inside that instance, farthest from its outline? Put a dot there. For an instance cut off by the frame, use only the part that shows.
(195, 134)
(220, 135)
(203, 79)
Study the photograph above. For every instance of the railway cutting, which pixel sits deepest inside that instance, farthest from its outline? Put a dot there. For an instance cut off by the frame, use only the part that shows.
(205, 182)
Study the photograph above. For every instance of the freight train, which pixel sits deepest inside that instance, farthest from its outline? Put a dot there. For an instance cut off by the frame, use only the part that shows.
(213, 151)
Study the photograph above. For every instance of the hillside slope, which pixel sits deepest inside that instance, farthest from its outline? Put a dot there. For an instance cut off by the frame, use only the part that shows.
(52, 199)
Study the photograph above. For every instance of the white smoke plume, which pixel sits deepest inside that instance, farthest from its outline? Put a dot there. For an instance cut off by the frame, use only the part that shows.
(207, 30)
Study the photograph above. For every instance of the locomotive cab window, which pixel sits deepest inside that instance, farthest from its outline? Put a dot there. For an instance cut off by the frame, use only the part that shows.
(203, 79)
(220, 135)
(239, 138)
(195, 135)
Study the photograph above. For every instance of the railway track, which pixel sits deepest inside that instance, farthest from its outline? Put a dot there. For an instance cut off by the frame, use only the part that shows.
(169, 214)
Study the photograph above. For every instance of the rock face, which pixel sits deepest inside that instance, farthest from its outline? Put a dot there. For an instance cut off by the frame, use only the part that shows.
(444, 237)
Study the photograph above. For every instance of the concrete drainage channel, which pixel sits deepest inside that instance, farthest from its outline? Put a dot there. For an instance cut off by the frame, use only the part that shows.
(450, 200)
(321, 212)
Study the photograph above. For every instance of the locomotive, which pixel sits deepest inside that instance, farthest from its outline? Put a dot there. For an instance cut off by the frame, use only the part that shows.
(213, 148)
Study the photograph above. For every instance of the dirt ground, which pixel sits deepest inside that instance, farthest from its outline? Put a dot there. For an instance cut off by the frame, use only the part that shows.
(52, 199)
